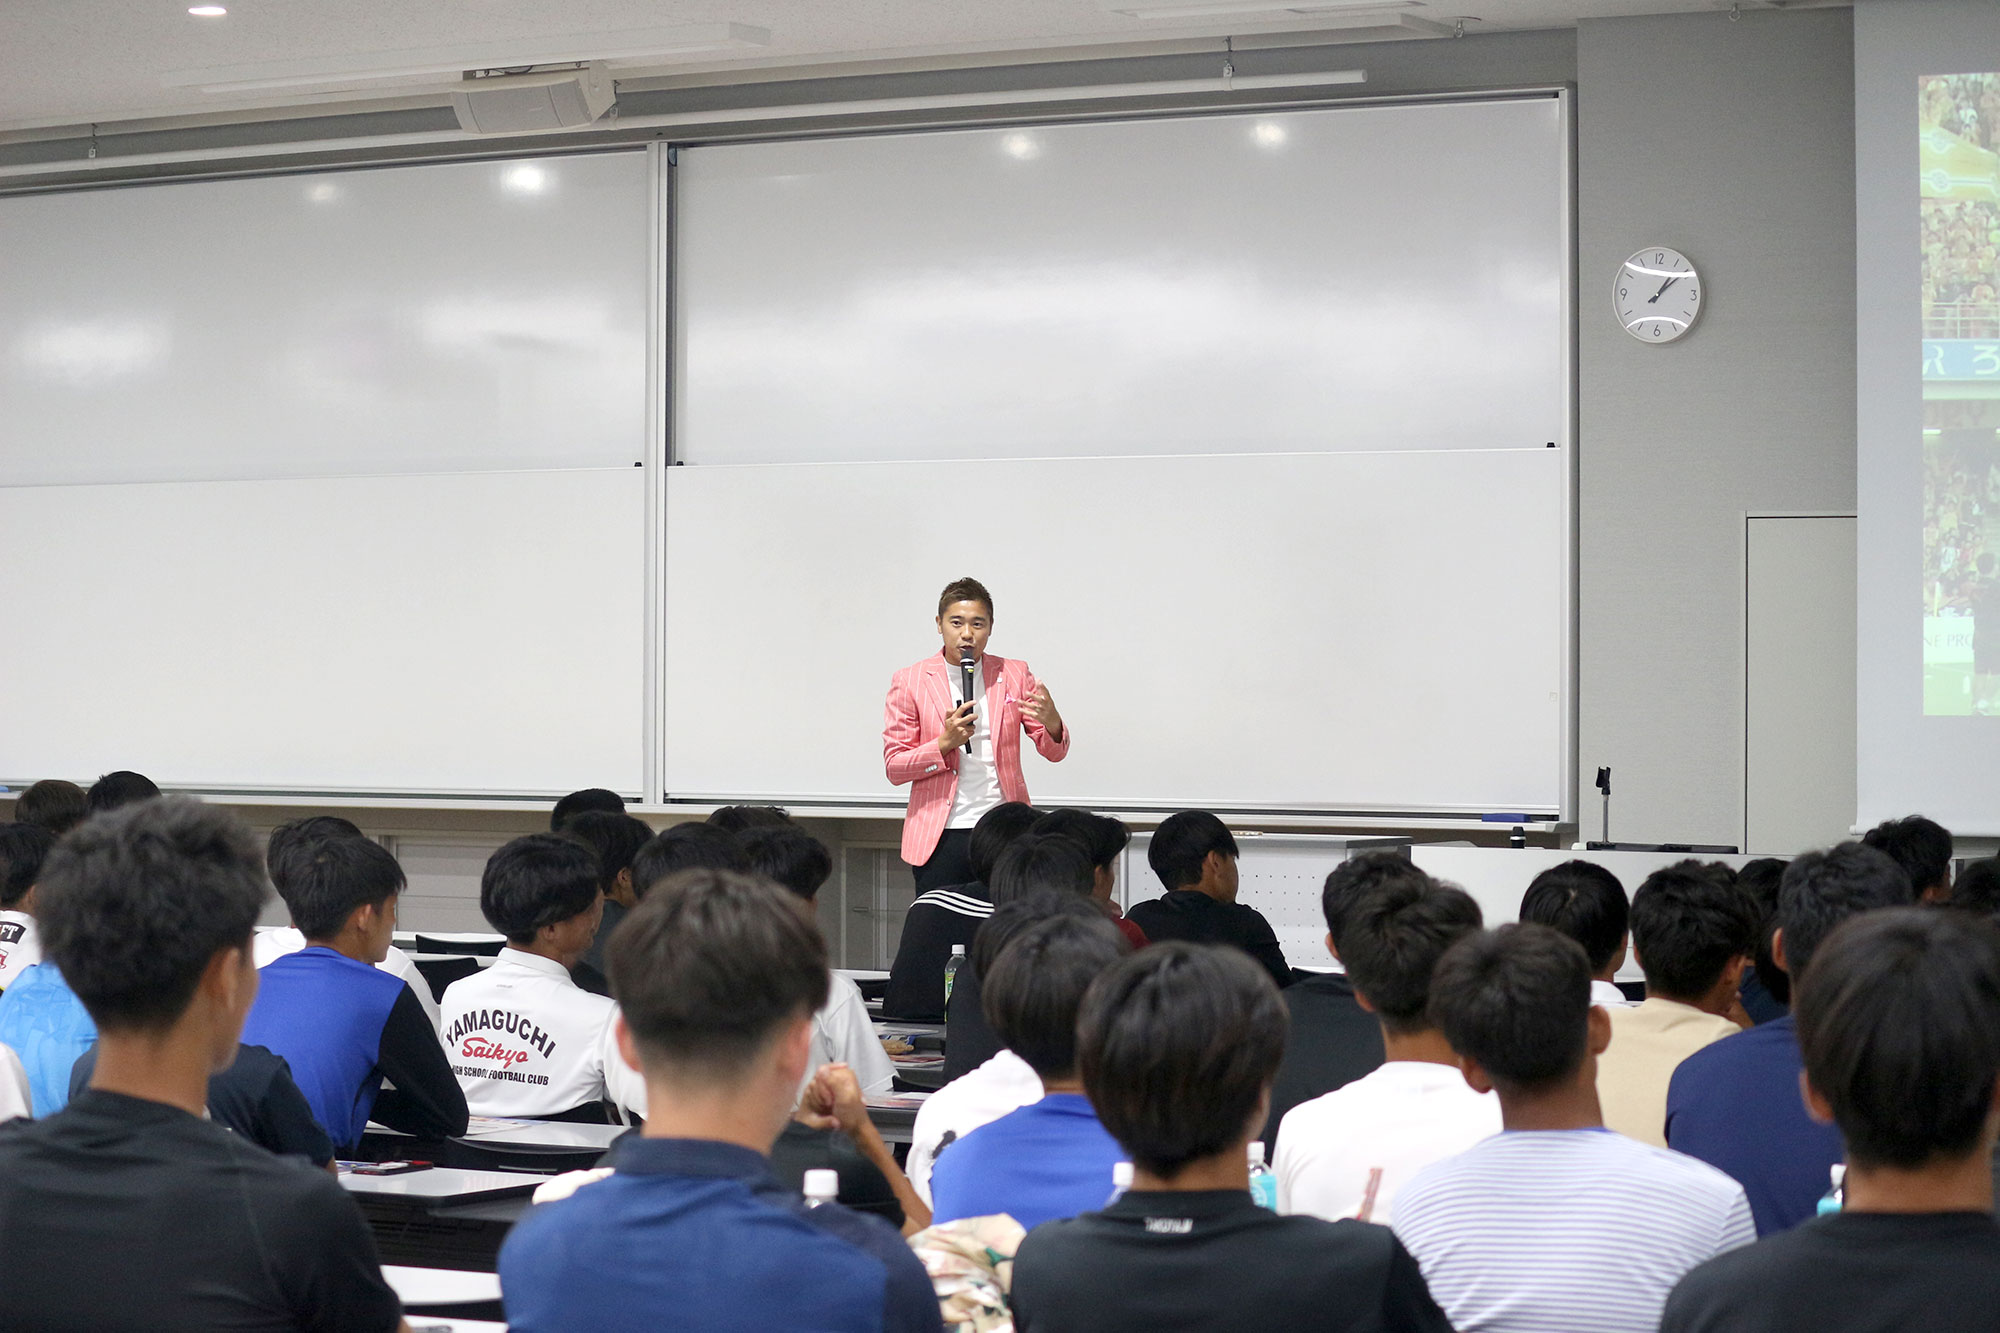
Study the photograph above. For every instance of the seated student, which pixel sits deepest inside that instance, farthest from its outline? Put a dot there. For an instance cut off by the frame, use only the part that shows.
(1693, 931)
(684, 847)
(740, 819)
(1346, 1154)
(1178, 1044)
(129, 1210)
(1194, 855)
(718, 978)
(1922, 847)
(1332, 1039)
(523, 1038)
(949, 916)
(1554, 1224)
(52, 804)
(1735, 1104)
(615, 840)
(1766, 992)
(1586, 902)
(47, 1027)
(831, 1130)
(23, 848)
(256, 1096)
(16, 1100)
(1105, 839)
(289, 842)
(342, 1023)
(843, 1033)
(116, 790)
(1897, 1019)
(577, 802)
(1050, 1158)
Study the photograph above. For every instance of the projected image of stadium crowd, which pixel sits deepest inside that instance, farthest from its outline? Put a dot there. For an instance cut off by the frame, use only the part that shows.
(1960, 203)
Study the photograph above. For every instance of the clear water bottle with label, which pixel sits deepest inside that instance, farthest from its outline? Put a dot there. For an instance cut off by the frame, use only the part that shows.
(1835, 1198)
(1263, 1181)
(956, 961)
(1121, 1180)
(822, 1186)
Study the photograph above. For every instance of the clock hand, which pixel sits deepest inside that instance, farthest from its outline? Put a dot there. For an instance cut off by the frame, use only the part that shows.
(1655, 297)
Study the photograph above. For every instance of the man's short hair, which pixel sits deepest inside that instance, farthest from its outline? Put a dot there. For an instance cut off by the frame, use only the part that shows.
(1034, 862)
(292, 839)
(1977, 888)
(1362, 874)
(1517, 1000)
(1394, 935)
(1177, 1044)
(134, 904)
(1031, 995)
(535, 881)
(1103, 837)
(122, 788)
(1822, 889)
(612, 838)
(590, 798)
(1011, 918)
(710, 965)
(966, 590)
(1921, 846)
(789, 857)
(24, 848)
(327, 879)
(1760, 879)
(1182, 842)
(994, 833)
(1688, 921)
(1899, 1021)
(1584, 901)
(53, 804)
(741, 818)
(686, 847)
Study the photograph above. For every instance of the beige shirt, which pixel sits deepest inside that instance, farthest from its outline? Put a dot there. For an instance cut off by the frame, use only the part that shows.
(1648, 1042)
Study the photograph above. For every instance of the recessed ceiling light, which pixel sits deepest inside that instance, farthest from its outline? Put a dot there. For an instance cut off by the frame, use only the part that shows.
(1021, 147)
(207, 11)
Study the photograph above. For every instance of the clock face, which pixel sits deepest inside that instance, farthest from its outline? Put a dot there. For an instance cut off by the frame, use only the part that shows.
(1656, 295)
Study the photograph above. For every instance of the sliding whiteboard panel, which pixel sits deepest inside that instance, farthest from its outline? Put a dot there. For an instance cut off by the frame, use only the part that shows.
(438, 318)
(475, 633)
(1357, 631)
(1386, 277)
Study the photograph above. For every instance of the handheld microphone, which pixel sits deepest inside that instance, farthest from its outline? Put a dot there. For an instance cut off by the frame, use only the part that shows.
(965, 667)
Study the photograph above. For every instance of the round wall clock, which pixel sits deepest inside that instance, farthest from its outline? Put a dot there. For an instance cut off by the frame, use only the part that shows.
(1656, 295)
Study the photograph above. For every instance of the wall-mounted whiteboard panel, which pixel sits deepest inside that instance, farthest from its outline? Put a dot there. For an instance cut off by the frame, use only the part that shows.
(1358, 631)
(475, 633)
(1381, 277)
(436, 318)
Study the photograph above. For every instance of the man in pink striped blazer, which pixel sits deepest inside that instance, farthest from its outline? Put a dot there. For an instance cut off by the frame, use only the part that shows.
(962, 756)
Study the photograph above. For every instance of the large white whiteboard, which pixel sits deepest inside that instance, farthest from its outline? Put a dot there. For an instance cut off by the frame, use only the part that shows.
(1377, 631)
(479, 633)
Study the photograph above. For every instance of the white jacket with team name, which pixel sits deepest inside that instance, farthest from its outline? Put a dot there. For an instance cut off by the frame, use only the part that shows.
(525, 1040)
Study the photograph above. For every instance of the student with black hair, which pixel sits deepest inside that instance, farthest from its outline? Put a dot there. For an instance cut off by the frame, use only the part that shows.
(1554, 1224)
(1177, 1045)
(1586, 902)
(53, 804)
(1194, 855)
(718, 977)
(1899, 1018)
(523, 1038)
(1735, 1104)
(590, 798)
(1977, 888)
(1105, 839)
(1766, 992)
(23, 848)
(1051, 1158)
(615, 840)
(342, 1023)
(1922, 847)
(130, 1210)
(947, 917)
(122, 788)
(689, 846)
(1693, 931)
(740, 819)
(1346, 1154)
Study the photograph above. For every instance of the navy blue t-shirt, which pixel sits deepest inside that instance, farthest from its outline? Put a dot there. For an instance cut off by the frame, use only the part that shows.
(1735, 1104)
(1050, 1159)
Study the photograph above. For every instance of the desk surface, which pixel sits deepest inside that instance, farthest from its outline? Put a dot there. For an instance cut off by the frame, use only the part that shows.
(532, 1136)
(440, 1184)
(440, 1286)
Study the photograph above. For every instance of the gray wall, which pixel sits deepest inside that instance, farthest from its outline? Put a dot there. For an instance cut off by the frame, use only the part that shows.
(1732, 141)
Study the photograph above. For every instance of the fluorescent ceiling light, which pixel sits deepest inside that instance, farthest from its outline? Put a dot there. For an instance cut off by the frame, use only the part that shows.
(207, 11)
(1277, 9)
(638, 45)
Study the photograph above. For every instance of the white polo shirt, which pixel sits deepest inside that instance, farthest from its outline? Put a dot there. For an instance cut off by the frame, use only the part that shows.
(525, 1040)
(843, 1033)
(274, 943)
(1001, 1085)
(20, 946)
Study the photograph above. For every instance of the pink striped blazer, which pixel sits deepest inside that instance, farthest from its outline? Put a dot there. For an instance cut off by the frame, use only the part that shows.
(920, 696)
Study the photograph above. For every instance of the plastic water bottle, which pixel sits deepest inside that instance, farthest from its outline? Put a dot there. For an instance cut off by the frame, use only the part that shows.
(951, 969)
(1836, 1198)
(1121, 1180)
(822, 1186)
(1263, 1182)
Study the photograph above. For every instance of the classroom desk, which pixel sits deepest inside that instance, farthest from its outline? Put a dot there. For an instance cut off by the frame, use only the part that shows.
(450, 1293)
(430, 1323)
(441, 1217)
(895, 1115)
(491, 1143)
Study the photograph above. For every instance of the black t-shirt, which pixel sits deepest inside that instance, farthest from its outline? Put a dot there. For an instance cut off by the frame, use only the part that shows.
(118, 1213)
(1332, 1042)
(863, 1187)
(1189, 914)
(1212, 1259)
(256, 1097)
(1882, 1272)
(969, 1040)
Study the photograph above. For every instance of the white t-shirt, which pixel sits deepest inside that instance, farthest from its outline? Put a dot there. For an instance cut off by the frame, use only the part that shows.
(1581, 1230)
(1002, 1085)
(978, 776)
(844, 1034)
(274, 942)
(20, 946)
(15, 1099)
(525, 1040)
(1396, 1121)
